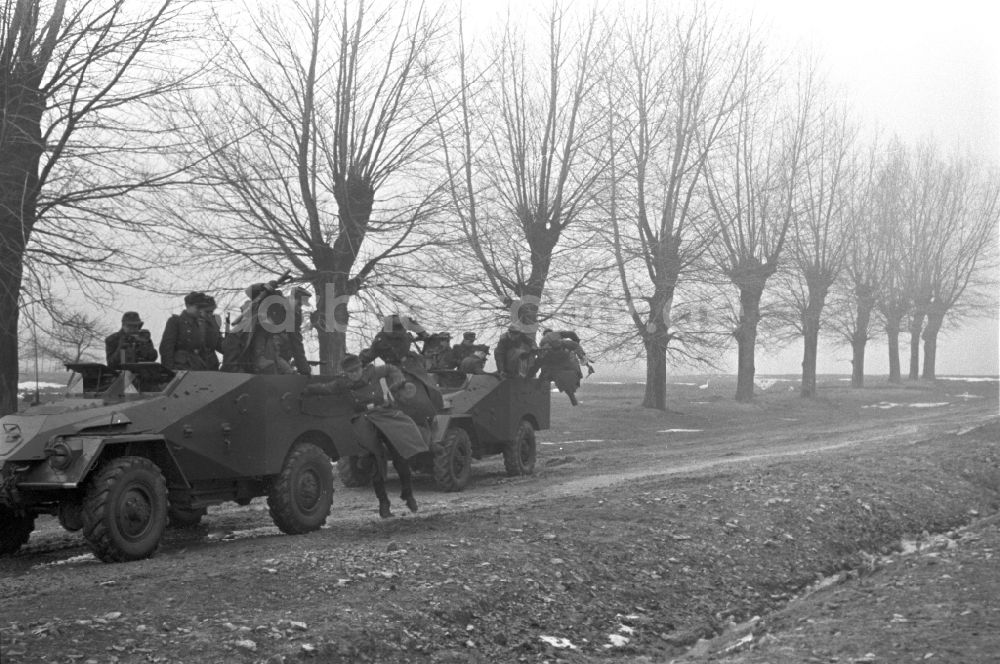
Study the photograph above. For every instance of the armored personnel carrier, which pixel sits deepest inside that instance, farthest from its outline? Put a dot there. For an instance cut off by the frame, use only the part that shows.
(133, 448)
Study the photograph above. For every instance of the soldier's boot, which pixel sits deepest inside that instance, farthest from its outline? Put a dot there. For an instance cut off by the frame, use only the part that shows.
(384, 510)
(411, 502)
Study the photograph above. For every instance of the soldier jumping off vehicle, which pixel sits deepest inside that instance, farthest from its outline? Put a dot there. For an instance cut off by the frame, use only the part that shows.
(188, 341)
(129, 344)
(385, 431)
(560, 357)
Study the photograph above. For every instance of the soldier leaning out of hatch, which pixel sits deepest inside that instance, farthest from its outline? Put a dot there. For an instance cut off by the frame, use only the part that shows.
(189, 341)
(384, 431)
(271, 346)
(475, 363)
(464, 349)
(129, 344)
(393, 342)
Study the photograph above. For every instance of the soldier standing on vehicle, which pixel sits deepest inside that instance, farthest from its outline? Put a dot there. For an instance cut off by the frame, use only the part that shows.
(185, 344)
(129, 344)
(213, 331)
(296, 353)
(271, 345)
(464, 349)
(392, 343)
(513, 352)
(385, 431)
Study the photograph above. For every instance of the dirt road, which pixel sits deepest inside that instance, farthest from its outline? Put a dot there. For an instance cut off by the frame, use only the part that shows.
(484, 574)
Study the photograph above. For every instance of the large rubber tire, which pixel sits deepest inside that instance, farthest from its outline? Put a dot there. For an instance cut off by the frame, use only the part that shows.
(183, 517)
(519, 454)
(351, 475)
(453, 460)
(14, 530)
(125, 509)
(301, 494)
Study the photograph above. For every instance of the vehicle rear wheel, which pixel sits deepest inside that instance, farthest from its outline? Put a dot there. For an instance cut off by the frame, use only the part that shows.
(185, 517)
(125, 509)
(519, 454)
(453, 460)
(15, 529)
(301, 494)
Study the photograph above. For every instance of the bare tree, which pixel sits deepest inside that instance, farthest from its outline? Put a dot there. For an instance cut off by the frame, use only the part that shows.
(967, 214)
(670, 98)
(873, 204)
(71, 338)
(523, 160)
(821, 231)
(313, 148)
(752, 189)
(73, 76)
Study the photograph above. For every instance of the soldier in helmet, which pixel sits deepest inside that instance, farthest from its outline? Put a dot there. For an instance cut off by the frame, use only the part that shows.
(187, 343)
(129, 344)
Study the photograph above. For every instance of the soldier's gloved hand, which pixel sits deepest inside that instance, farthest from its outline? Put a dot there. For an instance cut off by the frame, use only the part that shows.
(590, 370)
(306, 370)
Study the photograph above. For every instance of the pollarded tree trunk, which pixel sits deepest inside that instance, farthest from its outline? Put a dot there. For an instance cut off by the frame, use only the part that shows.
(934, 321)
(859, 341)
(810, 333)
(893, 325)
(916, 325)
(746, 341)
(656, 375)
(10, 287)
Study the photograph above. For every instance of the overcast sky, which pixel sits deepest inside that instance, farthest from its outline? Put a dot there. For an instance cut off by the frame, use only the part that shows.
(918, 69)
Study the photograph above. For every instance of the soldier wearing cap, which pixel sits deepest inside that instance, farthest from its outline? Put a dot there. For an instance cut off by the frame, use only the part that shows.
(187, 339)
(129, 344)
(464, 349)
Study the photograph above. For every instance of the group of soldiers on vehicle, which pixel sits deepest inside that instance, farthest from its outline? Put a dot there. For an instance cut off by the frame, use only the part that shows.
(261, 341)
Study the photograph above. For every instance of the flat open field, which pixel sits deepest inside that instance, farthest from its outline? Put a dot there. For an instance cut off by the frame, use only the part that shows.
(643, 536)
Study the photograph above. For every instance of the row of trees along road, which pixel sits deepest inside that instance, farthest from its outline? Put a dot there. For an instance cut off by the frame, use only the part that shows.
(658, 178)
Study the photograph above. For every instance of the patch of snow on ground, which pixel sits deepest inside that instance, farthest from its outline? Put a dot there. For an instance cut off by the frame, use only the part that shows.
(690, 384)
(82, 558)
(616, 641)
(42, 385)
(607, 382)
(764, 383)
(966, 395)
(567, 442)
(883, 405)
(557, 642)
(972, 379)
(681, 431)
(928, 405)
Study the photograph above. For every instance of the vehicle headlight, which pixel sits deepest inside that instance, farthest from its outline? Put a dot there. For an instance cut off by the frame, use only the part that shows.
(60, 455)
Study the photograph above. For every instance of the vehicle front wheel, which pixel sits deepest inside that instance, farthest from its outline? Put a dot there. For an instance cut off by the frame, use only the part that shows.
(125, 509)
(519, 454)
(453, 460)
(301, 494)
(15, 529)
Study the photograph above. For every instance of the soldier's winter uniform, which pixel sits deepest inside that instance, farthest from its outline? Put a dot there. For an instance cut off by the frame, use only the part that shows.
(384, 430)
(129, 344)
(188, 342)
(513, 353)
